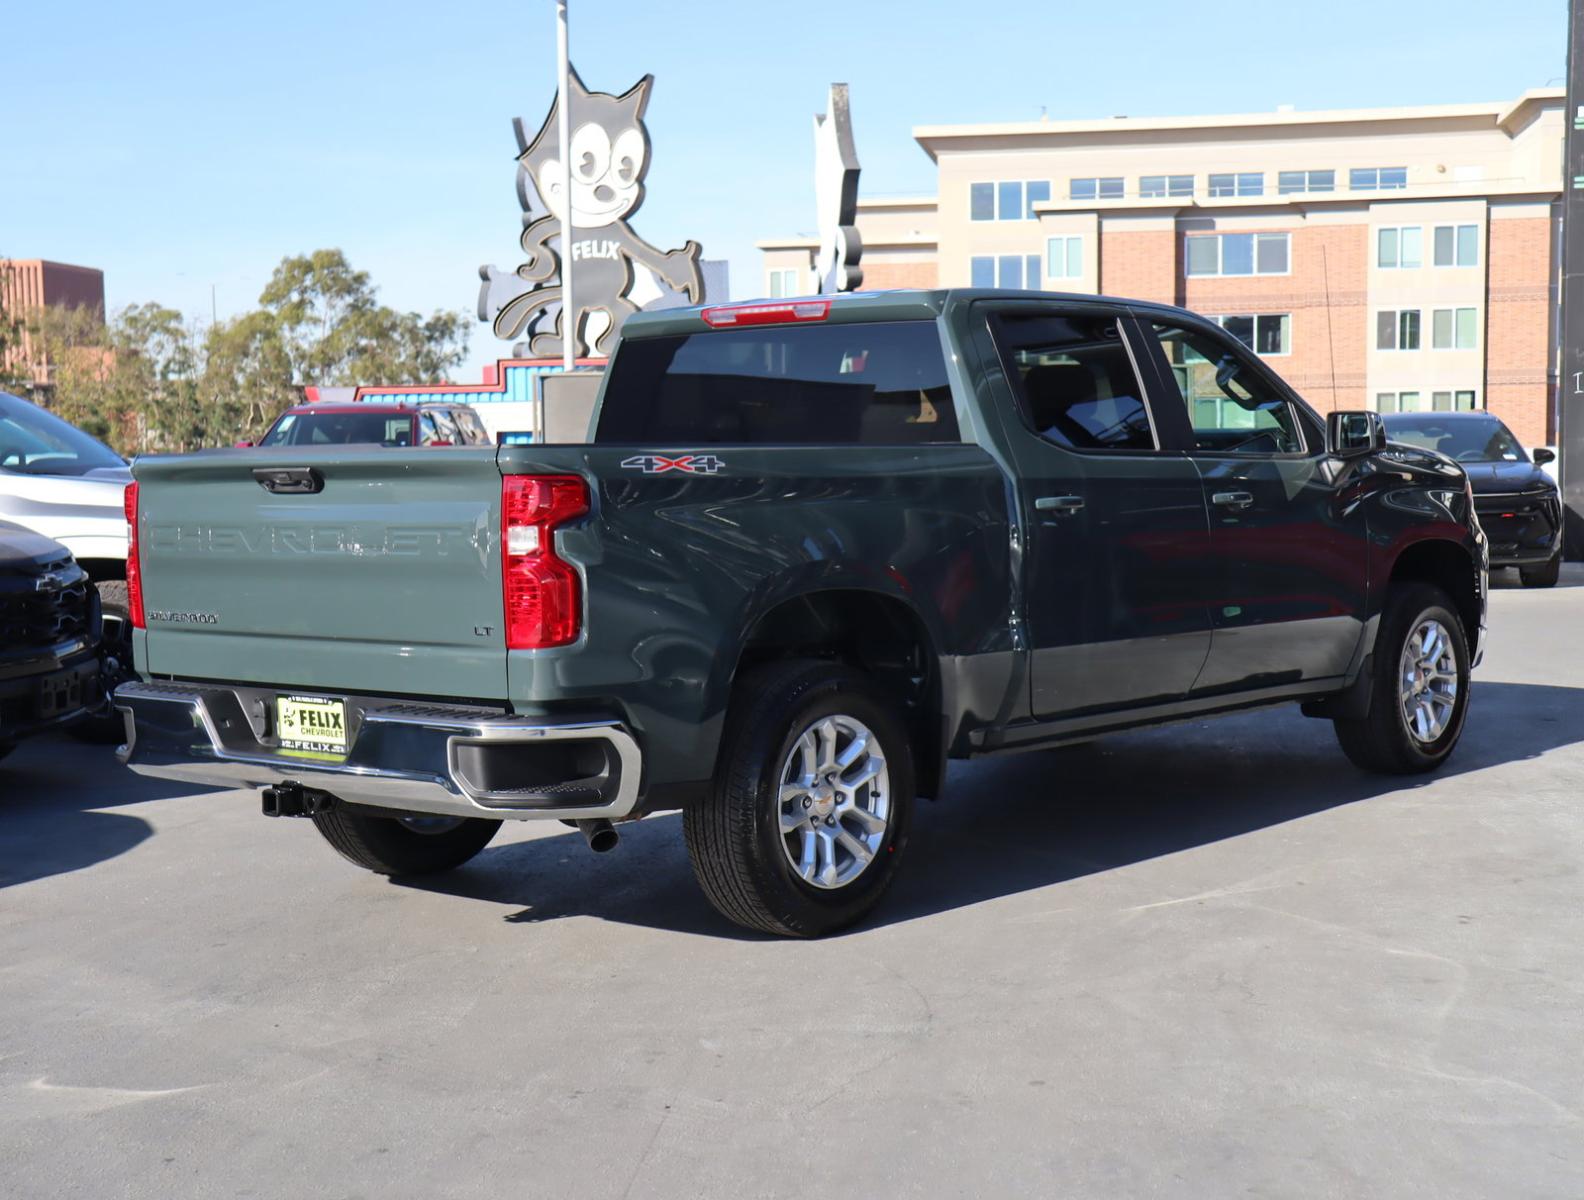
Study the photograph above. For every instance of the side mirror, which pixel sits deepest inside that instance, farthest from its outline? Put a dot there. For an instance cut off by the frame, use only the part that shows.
(1542, 456)
(1354, 434)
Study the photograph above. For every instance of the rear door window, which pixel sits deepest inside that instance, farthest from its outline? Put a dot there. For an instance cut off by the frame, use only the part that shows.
(881, 383)
(1074, 380)
(471, 427)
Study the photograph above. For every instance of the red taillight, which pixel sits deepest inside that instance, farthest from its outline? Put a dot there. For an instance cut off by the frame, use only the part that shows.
(766, 314)
(541, 590)
(134, 566)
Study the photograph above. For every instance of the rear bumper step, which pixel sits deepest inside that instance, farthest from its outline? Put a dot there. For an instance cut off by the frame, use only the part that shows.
(448, 760)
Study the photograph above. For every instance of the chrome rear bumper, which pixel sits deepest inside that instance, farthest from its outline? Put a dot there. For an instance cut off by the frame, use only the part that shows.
(448, 760)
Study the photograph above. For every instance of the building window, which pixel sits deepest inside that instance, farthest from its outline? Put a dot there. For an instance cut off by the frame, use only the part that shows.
(1452, 401)
(1389, 402)
(1457, 245)
(1109, 188)
(1266, 334)
(1377, 179)
(1399, 246)
(1290, 183)
(1063, 257)
(1454, 329)
(1006, 271)
(1153, 187)
(785, 283)
(1249, 183)
(981, 201)
(1010, 200)
(1397, 329)
(1237, 253)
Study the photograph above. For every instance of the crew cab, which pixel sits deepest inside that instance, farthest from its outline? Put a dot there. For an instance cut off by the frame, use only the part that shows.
(815, 549)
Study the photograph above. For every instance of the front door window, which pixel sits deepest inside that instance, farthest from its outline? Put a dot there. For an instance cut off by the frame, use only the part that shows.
(1231, 407)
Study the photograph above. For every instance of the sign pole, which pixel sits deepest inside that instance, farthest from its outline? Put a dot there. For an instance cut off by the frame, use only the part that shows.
(569, 330)
(1570, 410)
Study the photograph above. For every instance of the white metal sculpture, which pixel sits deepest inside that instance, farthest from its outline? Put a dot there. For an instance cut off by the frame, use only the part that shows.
(836, 168)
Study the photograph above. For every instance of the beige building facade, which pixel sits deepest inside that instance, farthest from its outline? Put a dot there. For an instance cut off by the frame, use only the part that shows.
(1397, 259)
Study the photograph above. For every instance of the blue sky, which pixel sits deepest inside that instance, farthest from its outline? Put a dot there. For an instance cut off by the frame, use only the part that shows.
(179, 146)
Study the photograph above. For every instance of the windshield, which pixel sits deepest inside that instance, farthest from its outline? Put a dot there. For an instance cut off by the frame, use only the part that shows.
(341, 428)
(35, 442)
(1478, 439)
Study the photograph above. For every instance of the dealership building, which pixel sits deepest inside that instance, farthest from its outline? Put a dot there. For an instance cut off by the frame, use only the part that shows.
(1398, 259)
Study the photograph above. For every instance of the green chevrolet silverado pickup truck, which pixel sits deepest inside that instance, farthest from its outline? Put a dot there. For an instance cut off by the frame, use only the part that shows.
(813, 550)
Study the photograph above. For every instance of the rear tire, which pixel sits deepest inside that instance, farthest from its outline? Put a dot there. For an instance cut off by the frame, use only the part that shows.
(803, 827)
(389, 846)
(1419, 690)
(1545, 575)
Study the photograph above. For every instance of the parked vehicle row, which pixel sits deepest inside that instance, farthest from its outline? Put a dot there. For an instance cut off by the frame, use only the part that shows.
(815, 549)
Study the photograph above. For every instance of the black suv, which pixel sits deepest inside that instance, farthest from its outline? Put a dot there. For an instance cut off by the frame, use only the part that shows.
(1518, 504)
(49, 637)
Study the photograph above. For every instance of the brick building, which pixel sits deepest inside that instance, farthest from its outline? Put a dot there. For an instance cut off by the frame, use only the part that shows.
(28, 284)
(1399, 258)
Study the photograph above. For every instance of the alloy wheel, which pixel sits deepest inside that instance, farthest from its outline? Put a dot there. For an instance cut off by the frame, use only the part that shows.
(834, 798)
(1428, 681)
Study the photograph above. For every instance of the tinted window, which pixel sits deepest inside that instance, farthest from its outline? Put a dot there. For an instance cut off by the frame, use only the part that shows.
(1074, 381)
(800, 384)
(1477, 439)
(1232, 409)
(34, 442)
(340, 428)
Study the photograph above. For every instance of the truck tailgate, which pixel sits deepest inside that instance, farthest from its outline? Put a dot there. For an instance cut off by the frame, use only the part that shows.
(385, 579)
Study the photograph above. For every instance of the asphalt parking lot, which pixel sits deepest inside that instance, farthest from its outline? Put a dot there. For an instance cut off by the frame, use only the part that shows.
(1209, 960)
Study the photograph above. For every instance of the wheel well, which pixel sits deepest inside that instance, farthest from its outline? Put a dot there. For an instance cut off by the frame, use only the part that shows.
(102, 570)
(876, 634)
(1449, 567)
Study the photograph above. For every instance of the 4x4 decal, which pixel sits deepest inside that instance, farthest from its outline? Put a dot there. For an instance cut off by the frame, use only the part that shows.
(658, 464)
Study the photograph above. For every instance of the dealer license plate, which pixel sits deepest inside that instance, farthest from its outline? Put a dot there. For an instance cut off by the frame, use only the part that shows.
(311, 723)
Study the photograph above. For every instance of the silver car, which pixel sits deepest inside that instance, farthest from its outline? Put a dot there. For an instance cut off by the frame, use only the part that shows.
(58, 481)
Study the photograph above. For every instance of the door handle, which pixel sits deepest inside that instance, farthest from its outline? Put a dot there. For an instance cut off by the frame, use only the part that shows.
(1059, 504)
(1233, 499)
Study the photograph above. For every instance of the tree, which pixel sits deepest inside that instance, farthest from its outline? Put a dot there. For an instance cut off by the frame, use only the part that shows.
(14, 372)
(150, 382)
(334, 331)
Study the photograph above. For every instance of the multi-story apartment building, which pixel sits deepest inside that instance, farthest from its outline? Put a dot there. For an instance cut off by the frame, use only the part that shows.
(1400, 258)
(27, 284)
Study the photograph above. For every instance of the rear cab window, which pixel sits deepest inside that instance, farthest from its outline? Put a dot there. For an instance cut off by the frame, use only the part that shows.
(340, 429)
(866, 383)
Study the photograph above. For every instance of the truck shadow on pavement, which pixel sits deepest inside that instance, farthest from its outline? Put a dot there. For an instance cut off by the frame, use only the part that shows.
(52, 802)
(1030, 821)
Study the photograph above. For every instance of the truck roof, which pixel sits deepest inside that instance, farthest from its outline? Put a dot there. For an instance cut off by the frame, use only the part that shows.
(901, 304)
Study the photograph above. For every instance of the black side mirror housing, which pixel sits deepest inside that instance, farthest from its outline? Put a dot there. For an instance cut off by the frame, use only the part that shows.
(1542, 456)
(1354, 434)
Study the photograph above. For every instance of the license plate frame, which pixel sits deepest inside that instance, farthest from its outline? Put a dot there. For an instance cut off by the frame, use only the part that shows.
(311, 725)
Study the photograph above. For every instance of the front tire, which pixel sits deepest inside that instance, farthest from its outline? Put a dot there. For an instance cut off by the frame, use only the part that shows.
(1543, 576)
(414, 845)
(804, 825)
(107, 728)
(1419, 691)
